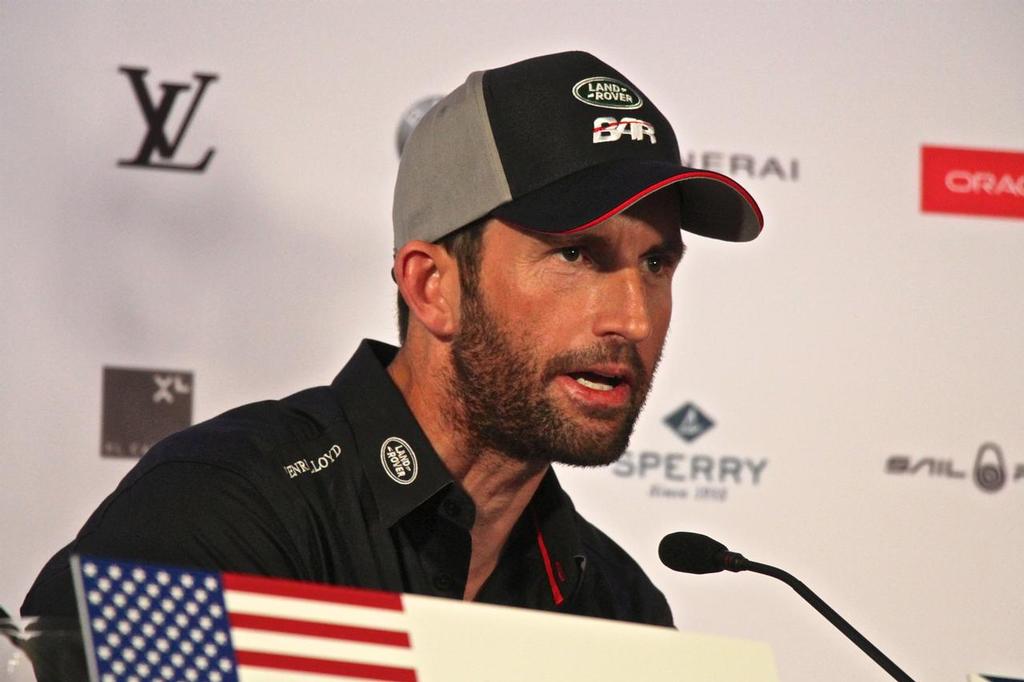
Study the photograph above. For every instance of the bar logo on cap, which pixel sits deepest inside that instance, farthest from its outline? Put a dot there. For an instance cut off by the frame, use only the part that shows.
(609, 93)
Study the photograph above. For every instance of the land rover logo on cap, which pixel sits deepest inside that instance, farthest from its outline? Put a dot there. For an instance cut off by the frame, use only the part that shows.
(398, 460)
(609, 93)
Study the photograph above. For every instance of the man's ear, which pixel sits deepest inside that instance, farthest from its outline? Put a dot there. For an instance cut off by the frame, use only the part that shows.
(428, 279)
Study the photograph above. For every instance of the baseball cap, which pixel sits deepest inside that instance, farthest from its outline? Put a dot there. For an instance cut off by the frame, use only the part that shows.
(556, 143)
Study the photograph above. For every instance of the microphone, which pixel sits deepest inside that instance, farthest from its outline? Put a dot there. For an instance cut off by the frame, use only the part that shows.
(696, 553)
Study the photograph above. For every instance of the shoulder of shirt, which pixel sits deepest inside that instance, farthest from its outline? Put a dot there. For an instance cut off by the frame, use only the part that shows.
(266, 432)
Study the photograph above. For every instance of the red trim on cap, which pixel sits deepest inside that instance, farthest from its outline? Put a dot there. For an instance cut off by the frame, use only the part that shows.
(556, 593)
(668, 181)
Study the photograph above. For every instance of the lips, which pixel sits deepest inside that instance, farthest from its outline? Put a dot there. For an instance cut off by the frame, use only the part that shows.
(596, 382)
(604, 386)
(605, 379)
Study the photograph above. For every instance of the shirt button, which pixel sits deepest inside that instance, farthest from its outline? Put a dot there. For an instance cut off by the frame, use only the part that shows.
(443, 582)
(451, 508)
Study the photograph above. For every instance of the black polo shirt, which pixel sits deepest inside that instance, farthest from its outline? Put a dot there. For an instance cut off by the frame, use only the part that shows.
(339, 485)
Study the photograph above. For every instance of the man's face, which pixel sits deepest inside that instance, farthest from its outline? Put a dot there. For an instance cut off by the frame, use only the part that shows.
(558, 343)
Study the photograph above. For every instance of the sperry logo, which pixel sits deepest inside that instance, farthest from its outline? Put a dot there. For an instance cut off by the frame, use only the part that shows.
(398, 460)
(610, 129)
(157, 115)
(688, 422)
(609, 93)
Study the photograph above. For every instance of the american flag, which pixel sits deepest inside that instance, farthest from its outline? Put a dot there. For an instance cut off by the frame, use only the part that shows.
(145, 622)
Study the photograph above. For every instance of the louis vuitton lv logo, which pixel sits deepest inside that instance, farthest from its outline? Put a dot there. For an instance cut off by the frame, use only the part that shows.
(157, 113)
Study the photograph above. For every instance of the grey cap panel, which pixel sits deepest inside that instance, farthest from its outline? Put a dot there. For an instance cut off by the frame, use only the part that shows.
(450, 173)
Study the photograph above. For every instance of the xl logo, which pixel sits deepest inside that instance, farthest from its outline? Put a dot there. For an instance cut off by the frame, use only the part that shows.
(610, 129)
(143, 406)
(157, 115)
(167, 385)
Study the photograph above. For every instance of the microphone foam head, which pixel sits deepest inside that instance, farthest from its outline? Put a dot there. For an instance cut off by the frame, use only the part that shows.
(691, 553)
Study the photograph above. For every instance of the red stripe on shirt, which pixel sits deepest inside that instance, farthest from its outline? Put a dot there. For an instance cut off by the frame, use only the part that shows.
(556, 593)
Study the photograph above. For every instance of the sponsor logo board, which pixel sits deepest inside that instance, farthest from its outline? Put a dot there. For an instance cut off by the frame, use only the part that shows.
(991, 471)
(142, 406)
(160, 144)
(701, 476)
(977, 182)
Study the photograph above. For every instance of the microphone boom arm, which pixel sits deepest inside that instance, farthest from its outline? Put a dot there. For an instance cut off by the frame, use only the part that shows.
(737, 562)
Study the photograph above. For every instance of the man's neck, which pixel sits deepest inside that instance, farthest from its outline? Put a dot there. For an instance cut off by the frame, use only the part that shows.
(501, 487)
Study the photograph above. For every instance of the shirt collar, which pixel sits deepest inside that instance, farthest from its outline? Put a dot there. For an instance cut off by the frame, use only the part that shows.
(555, 521)
(379, 416)
(388, 438)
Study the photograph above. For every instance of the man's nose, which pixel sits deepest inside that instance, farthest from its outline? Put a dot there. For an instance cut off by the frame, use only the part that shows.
(623, 306)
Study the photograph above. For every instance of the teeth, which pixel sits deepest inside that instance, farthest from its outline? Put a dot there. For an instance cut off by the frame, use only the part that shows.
(593, 384)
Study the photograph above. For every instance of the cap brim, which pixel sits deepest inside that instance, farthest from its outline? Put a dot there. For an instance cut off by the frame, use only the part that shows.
(711, 204)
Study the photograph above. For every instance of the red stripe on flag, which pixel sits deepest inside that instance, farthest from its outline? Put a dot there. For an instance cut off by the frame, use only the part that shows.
(302, 590)
(319, 665)
(305, 627)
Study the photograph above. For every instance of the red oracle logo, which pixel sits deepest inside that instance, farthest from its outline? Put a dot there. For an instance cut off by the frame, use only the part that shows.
(972, 182)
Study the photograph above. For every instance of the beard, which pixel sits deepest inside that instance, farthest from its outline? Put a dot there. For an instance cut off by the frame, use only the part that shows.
(500, 389)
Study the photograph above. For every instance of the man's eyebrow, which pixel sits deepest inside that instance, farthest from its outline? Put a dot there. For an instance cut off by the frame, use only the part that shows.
(673, 247)
(572, 238)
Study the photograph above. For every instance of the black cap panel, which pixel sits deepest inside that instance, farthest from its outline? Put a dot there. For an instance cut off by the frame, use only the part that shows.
(545, 129)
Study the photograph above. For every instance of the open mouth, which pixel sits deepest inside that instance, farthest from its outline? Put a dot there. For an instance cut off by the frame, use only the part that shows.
(595, 381)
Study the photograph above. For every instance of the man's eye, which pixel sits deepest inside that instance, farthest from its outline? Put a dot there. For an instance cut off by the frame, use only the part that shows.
(570, 253)
(655, 264)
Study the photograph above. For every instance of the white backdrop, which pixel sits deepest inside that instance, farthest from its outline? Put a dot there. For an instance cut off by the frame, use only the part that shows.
(857, 328)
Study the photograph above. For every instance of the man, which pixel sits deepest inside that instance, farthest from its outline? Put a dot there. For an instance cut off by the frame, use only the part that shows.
(536, 216)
